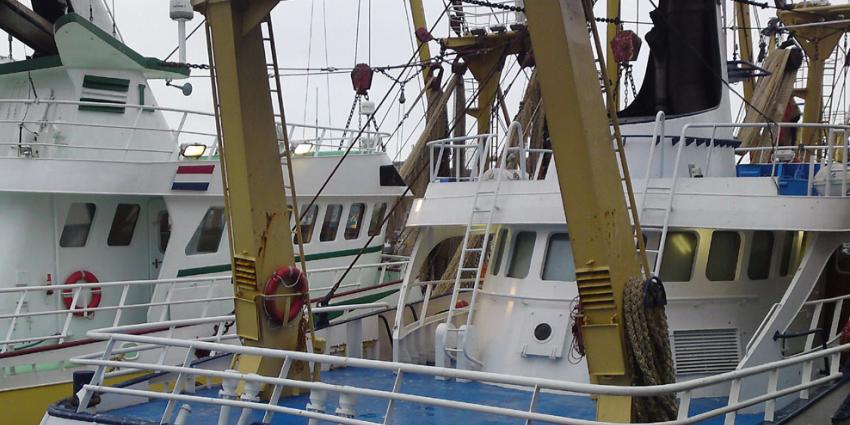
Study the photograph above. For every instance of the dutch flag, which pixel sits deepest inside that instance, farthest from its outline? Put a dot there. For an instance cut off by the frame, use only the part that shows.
(193, 177)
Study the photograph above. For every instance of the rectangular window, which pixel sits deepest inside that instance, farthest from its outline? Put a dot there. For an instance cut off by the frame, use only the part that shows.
(77, 225)
(677, 264)
(333, 213)
(500, 250)
(308, 222)
(761, 253)
(355, 221)
(723, 256)
(787, 250)
(377, 221)
(521, 254)
(123, 225)
(207, 236)
(559, 264)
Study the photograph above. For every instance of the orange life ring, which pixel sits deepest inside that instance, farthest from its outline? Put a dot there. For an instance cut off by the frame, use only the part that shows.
(291, 277)
(68, 297)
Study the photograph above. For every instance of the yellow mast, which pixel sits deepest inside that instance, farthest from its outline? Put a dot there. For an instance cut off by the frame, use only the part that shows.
(260, 238)
(611, 65)
(417, 12)
(592, 194)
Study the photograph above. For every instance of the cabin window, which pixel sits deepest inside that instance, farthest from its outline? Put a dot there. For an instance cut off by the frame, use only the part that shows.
(521, 254)
(723, 256)
(163, 221)
(355, 221)
(207, 236)
(77, 225)
(559, 263)
(308, 222)
(760, 254)
(377, 221)
(500, 249)
(787, 250)
(123, 225)
(677, 264)
(333, 213)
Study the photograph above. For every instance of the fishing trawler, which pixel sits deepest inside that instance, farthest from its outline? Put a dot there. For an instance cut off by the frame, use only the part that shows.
(113, 211)
(751, 255)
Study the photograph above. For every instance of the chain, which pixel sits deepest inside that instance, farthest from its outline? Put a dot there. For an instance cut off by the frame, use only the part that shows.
(631, 78)
(348, 121)
(495, 5)
(187, 65)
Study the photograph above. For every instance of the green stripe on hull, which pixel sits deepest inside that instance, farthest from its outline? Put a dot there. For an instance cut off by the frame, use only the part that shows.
(309, 257)
(366, 299)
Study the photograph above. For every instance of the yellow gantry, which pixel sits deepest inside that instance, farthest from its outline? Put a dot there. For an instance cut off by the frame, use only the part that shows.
(818, 36)
(592, 194)
(260, 238)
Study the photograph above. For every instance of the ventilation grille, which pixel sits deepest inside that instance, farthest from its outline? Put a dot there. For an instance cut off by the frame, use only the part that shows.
(110, 93)
(706, 351)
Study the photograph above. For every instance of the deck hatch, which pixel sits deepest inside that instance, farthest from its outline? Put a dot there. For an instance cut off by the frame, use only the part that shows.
(706, 351)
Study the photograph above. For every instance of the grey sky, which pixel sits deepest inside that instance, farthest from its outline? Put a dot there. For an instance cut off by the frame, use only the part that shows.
(146, 28)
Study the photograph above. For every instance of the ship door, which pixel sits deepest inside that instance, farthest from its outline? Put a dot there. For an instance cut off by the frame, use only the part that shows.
(159, 232)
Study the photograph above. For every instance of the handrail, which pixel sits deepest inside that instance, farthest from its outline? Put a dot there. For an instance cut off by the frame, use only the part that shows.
(482, 158)
(75, 292)
(683, 390)
(326, 138)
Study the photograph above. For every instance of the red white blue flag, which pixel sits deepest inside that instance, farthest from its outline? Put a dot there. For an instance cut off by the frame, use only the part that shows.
(193, 177)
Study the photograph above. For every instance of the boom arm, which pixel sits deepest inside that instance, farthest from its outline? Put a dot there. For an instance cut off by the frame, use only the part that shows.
(260, 239)
(592, 194)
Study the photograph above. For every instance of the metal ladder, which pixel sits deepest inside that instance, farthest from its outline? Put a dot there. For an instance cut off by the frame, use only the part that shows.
(286, 161)
(620, 156)
(480, 222)
(278, 110)
(668, 191)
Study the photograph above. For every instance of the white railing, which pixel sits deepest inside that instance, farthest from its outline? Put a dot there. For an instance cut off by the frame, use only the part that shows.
(190, 127)
(829, 333)
(56, 323)
(684, 391)
(360, 275)
(463, 159)
(481, 19)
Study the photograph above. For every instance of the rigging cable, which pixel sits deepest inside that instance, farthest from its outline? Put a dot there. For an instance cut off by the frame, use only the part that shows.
(360, 133)
(425, 165)
(191, 33)
(309, 58)
(327, 62)
(357, 32)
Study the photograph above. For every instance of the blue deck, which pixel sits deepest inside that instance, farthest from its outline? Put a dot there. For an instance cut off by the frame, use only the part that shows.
(373, 409)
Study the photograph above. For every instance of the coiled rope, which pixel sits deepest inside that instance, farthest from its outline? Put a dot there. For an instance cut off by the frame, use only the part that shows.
(649, 347)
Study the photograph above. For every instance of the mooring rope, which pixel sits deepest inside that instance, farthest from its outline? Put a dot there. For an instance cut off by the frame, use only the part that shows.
(649, 347)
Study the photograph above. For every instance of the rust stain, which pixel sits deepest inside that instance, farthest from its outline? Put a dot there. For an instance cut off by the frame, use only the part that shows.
(264, 238)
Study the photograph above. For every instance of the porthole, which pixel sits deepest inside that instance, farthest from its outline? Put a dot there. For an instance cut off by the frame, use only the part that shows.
(542, 332)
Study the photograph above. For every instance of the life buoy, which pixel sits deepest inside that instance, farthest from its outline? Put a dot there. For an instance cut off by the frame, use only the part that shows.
(291, 277)
(68, 294)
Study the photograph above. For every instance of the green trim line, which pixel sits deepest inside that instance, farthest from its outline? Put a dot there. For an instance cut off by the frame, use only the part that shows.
(360, 300)
(105, 108)
(153, 64)
(97, 82)
(196, 271)
(203, 270)
(45, 62)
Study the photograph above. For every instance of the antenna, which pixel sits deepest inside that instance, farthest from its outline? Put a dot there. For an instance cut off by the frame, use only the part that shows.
(181, 11)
